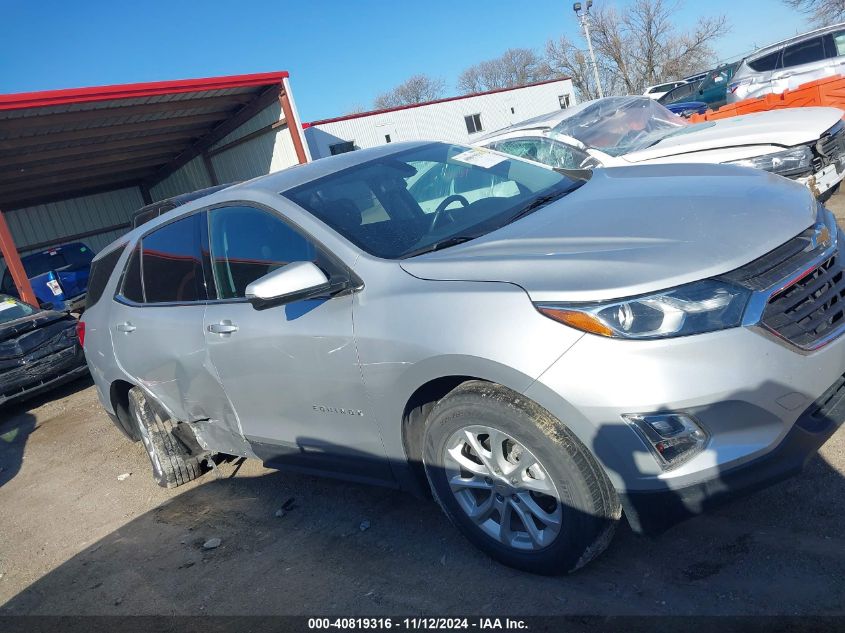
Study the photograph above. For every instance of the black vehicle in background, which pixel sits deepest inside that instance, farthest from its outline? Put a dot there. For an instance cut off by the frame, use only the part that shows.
(39, 349)
(147, 213)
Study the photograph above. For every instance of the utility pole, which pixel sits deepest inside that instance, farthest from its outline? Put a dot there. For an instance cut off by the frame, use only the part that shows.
(584, 19)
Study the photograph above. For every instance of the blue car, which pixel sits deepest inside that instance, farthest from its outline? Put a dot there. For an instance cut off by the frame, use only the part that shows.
(59, 276)
(687, 108)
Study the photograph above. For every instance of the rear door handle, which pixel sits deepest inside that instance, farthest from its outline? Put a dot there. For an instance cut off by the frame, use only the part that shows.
(224, 327)
(125, 327)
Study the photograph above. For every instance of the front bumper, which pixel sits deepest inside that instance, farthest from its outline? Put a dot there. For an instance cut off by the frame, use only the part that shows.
(823, 181)
(653, 512)
(39, 376)
(747, 390)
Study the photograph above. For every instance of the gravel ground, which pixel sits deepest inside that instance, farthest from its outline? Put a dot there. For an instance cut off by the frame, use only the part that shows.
(76, 537)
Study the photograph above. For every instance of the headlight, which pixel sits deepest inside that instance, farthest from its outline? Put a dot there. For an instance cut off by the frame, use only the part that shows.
(703, 306)
(792, 163)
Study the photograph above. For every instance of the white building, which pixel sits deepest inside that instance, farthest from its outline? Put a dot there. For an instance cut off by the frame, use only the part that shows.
(455, 119)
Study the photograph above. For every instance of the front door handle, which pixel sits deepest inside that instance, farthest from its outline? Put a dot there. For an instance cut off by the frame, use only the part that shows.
(126, 327)
(224, 327)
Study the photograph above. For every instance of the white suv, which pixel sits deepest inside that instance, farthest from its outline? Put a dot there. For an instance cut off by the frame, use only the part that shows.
(788, 64)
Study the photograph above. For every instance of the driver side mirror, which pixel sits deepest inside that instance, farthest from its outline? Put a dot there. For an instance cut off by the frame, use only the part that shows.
(293, 282)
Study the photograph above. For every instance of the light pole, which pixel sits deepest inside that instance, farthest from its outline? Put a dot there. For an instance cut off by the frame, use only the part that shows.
(584, 19)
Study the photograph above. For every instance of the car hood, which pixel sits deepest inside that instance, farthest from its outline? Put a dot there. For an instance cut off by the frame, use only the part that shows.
(632, 230)
(787, 127)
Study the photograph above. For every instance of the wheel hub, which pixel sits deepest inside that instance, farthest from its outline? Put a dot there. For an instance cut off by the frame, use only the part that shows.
(502, 487)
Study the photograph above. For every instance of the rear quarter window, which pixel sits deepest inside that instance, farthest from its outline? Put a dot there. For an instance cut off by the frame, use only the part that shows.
(101, 272)
(131, 287)
(765, 63)
(803, 53)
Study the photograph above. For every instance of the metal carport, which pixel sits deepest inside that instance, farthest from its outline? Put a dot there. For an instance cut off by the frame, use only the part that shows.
(61, 150)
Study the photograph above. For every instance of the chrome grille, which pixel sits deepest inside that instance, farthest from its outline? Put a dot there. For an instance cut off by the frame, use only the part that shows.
(812, 308)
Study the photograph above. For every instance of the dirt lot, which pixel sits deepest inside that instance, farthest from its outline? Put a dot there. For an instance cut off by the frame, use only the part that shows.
(76, 539)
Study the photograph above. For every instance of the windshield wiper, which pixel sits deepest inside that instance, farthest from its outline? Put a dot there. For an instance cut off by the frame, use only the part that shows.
(446, 243)
(543, 201)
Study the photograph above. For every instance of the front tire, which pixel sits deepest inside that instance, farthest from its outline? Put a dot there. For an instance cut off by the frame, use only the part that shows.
(516, 482)
(171, 462)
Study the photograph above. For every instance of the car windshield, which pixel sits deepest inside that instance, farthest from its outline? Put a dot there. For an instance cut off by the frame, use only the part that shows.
(619, 125)
(11, 309)
(428, 197)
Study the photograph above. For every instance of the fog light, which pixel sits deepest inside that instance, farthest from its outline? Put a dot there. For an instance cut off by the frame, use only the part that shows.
(673, 437)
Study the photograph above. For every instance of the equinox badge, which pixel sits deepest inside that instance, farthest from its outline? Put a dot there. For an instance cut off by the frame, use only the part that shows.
(342, 411)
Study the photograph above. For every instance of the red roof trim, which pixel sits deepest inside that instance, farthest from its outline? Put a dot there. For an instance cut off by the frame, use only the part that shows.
(131, 91)
(358, 115)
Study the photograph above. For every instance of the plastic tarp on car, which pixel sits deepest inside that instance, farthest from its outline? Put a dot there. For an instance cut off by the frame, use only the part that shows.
(620, 125)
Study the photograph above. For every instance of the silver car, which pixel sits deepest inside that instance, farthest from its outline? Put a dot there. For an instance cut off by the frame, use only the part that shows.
(788, 64)
(542, 350)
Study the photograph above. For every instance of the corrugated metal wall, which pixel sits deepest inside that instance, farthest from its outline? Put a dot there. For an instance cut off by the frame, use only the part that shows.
(270, 151)
(442, 121)
(54, 221)
(189, 177)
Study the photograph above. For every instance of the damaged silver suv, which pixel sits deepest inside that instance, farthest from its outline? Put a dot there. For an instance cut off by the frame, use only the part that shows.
(544, 351)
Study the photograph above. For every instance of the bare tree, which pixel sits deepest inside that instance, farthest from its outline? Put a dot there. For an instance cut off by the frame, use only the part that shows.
(355, 108)
(821, 12)
(635, 47)
(416, 89)
(564, 58)
(515, 67)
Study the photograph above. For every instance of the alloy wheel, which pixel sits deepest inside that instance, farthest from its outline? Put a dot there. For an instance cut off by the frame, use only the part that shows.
(502, 487)
(148, 445)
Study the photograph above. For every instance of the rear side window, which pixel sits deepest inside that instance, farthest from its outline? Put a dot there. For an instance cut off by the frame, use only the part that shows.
(835, 44)
(101, 271)
(803, 53)
(681, 91)
(171, 262)
(248, 243)
(132, 287)
(766, 63)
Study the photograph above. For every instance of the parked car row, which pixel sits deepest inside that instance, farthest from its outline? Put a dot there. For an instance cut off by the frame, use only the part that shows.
(39, 348)
(774, 68)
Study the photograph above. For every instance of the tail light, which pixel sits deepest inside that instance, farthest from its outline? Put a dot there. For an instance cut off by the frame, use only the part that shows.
(80, 332)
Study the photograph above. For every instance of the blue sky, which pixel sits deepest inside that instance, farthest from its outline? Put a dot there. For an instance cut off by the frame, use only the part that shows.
(340, 54)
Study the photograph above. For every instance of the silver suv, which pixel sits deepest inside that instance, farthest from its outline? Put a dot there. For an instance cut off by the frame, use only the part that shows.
(542, 350)
(788, 64)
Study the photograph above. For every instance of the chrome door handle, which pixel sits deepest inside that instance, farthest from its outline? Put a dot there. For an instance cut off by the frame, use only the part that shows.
(224, 327)
(125, 327)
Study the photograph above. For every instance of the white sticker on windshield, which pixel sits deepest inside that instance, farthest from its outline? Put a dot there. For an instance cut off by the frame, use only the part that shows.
(7, 304)
(479, 158)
